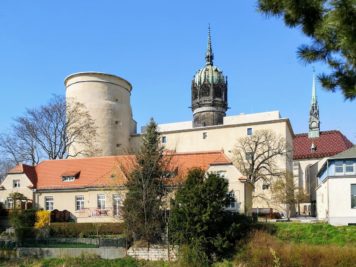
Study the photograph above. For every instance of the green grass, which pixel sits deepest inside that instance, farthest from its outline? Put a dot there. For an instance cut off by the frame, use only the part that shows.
(316, 233)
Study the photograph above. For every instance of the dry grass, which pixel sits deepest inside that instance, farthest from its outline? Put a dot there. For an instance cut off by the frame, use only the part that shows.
(266, 250)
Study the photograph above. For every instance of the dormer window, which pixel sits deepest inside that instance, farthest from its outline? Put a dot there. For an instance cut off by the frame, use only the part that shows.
(70, 176)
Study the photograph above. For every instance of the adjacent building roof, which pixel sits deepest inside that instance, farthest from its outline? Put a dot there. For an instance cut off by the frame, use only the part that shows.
(329, 143)
(110, 171)
(348, 154)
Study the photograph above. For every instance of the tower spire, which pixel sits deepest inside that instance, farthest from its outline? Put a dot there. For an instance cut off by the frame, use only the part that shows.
(314, 121)
(314, 99)
(209, 56)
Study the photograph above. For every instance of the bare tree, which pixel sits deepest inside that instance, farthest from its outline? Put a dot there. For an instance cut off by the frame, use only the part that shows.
(286, 191)
(256, 156)
(49, 131)
(5, 166)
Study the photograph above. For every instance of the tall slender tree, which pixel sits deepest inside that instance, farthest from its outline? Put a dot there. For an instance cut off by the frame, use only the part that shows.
(142, 211)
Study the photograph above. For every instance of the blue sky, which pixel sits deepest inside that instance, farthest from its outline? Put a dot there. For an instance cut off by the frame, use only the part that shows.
(158, 46)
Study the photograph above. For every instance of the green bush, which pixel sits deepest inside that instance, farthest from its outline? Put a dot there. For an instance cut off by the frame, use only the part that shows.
(23, 221)
(85, 229)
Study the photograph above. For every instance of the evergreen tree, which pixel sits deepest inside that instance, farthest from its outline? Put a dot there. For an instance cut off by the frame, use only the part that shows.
(199, 219)
(142, 206)
(331, 25)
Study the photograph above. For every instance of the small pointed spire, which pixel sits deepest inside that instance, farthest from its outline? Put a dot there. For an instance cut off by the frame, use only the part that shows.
(314, 99)
(209, 57)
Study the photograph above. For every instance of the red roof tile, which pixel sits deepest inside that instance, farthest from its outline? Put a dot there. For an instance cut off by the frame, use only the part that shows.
(329, 143)
(110, 171)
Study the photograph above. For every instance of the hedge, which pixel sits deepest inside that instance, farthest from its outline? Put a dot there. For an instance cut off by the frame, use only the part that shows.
(85, 229)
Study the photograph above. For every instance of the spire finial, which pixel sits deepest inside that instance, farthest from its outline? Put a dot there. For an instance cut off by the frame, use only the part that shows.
(314, 100)
(209, 57)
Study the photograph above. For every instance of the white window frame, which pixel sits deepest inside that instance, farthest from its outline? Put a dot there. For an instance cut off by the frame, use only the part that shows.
(16, 183)
(79, 203)
(10, 203)
(353, 196)
(49, 203)
(205, 135)
(101, 201)
(348, 165)
(338, 166)
(249, 131)
(116, 204)
(164, 139)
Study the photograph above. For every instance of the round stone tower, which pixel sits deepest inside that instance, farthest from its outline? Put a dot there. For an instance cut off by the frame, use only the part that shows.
(209, 93)
(107, 99)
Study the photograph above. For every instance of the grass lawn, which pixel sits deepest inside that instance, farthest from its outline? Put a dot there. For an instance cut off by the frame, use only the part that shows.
(316, 233)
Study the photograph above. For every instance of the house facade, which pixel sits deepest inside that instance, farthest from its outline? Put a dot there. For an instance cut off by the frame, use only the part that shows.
(93, 189)
(336, 189)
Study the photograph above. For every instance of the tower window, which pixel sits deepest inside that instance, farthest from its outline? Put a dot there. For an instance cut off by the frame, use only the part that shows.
(249, 131)
(205, 135)
(164, 139)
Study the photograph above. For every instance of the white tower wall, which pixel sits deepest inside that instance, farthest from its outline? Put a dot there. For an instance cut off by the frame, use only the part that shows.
(107, 99)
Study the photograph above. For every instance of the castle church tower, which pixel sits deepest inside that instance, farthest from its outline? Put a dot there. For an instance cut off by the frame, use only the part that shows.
(209, 92)
(314, 122)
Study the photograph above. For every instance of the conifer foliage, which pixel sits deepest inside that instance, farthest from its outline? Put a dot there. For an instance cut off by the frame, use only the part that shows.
(331, 25)
(199, 218)
(142, 206)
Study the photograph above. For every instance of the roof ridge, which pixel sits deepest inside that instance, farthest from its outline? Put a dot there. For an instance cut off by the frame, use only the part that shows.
(200, 152)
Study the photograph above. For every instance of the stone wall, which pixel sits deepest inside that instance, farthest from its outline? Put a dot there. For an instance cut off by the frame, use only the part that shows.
(153, 253)
(104, 252)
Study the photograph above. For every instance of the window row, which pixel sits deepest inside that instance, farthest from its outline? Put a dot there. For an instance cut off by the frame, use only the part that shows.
(345, 167)
(80, 203)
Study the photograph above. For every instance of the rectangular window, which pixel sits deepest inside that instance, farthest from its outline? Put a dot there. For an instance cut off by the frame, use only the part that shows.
(16, 183)
(205, 135)
(9, 203)
(79, 202)
(249, 155)
(222, 174)
(249, 131)
(353, 196)
(339, 167)
(232, 203)
(349, 167)
(265, 186)
(164, 139)
(101, 201)
(49, 203)
(116, 200)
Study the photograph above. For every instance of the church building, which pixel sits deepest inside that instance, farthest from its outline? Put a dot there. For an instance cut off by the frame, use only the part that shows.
(84, 185)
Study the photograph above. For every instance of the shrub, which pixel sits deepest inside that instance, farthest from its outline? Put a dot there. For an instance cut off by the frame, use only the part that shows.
(42, 219)
(23, 221)
(85, 229)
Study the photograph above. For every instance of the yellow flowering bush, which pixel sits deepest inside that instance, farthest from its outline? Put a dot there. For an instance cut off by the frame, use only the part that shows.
(42, 219)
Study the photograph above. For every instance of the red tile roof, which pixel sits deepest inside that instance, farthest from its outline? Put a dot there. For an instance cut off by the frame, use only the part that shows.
(329, 143)
(111, 171)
